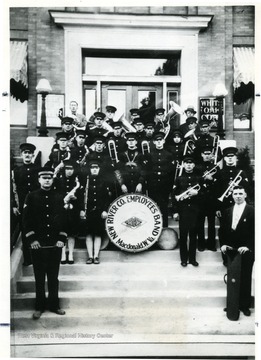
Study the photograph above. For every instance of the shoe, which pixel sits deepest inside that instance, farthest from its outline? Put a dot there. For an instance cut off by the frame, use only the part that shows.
(63, 262)
(70, 262)
(201, 249)
(89, 261)
(194, 263)
(246, 312)
(37, 314)
(184, 264)
(58, 311)
(96, 260)
(225, 309)
(26, 263)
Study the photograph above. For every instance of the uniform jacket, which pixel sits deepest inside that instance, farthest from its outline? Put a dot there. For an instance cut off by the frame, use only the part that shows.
(44, 217)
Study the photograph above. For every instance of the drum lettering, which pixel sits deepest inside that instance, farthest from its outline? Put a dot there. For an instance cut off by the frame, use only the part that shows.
(156, 231)
(112, 232)
(151, 239)
(110, 219)
(113, 210)
(157, 217)
(121, 202)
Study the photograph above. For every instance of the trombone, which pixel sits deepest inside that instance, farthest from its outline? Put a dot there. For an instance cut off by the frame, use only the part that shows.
(216, 144)
(185, 194)
(112, 151)
(231, 186)
(145, 147)
(189, 147)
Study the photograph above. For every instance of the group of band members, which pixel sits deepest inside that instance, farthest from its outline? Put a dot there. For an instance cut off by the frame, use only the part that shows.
(91, 165)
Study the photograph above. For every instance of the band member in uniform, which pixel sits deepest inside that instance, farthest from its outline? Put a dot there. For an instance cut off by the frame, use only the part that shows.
(130, 166)
(44, 225)
(175, 145)
(79, 120)
(24, 181)
(228, 177)
(68, 129)
(68, 186)
(160, 175)
(188, 129)
(239, 232)
(133, 114)
(80, 151)
(96, 200)
(160, 123)
(96, 130)
(110, 114)
(186, 193)
(140, 133)
(117, 137)
(205, 139)
(207, 209)
(149, 129)
(60, 153)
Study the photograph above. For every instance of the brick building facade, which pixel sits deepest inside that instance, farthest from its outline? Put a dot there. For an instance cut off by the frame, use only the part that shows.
(51, 34)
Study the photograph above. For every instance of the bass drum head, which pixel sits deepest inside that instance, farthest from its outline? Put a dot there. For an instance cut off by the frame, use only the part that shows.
(168, 239)
(105, 241)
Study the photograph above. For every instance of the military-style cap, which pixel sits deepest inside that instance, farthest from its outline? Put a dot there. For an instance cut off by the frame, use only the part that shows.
(94, 162)
(137, 120)
(149, 125)
(177, 132)
(68, 164)
(206, 149)
(130, 135)
(45, 171)
(62, 135)
(158, 135)
(229, 151)
(188, 158)
(99, 138)
(204, 122)
(134, 112)
(191, 120)
(191, 109)
(111, 108)
(160, 111)
(81, 132)
(99, 115)
(116, 124)
(67, 120)
(27, 146)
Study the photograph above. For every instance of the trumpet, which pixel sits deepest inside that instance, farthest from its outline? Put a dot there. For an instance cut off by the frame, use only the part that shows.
(71, 195)
(145, 147)
(231, 186)
(112, 150)
(185, 194)
(212, 171)
(216, 144)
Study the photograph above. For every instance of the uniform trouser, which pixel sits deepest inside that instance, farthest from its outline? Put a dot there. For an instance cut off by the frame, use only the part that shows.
(26, 250)
(46, 262)
(188, 228)
(210, 214)
(161, 196)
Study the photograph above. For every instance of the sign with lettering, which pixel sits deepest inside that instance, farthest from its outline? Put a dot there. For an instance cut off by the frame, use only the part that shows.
(134, 222)
(209, 109)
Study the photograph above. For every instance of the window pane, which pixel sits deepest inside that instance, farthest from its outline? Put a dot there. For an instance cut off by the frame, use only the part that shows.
(242, 115)
(53, 103)
(117, 98)
(18, 112)
(130, 67)
(90, 102)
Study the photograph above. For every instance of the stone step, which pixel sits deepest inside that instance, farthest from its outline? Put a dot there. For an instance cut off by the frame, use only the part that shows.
(139, 298)
(82, 324)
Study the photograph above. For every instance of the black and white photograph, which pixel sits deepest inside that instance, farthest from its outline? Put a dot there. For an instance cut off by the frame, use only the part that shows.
(131, 174)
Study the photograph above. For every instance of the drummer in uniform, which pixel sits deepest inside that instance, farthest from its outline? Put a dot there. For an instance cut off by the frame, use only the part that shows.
(24, 181)
(186, 203)
(95, 202)
(160, 174)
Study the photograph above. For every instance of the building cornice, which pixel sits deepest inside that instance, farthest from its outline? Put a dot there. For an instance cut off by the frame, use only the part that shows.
(171, 22)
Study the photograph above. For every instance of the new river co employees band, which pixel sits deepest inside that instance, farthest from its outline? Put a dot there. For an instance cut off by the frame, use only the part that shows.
(149, 167)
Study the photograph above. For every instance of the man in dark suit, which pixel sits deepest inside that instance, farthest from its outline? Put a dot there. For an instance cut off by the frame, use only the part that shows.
(238, 229)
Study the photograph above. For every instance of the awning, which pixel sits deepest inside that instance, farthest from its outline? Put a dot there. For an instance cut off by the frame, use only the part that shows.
(18, 70)
(244, 66)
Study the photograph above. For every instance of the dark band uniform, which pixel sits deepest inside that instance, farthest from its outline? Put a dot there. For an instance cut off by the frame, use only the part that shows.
(43, 220)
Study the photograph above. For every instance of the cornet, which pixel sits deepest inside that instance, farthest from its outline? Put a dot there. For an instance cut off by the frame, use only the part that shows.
(112, 150)
(212, 171)
(185, 194)
(231, 186)
(145, 147)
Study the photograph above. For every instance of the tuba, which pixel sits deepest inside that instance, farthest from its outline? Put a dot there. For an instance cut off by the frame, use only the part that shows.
(127, 127)
(231, 186)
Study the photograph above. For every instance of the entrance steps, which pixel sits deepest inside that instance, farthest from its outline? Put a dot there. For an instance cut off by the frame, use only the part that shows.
(145, 303)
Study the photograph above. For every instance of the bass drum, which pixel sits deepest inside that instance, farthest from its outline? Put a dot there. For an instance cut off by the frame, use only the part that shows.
(105, 241)
(168, 239)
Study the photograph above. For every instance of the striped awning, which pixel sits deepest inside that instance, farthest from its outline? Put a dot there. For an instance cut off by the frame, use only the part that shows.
(18, 70)
(244, 65)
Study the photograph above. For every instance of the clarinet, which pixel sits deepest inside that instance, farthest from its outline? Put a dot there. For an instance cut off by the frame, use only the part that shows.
(86, 194)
